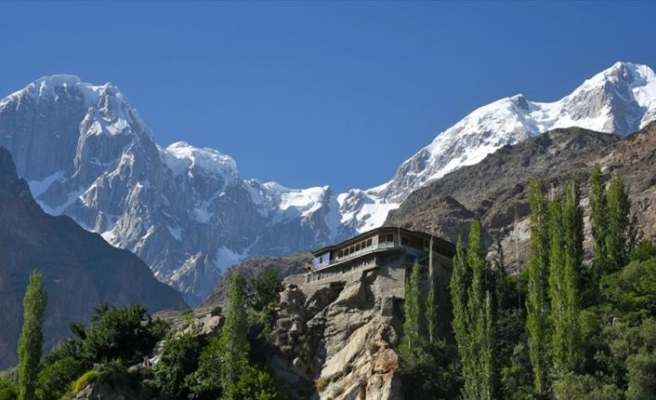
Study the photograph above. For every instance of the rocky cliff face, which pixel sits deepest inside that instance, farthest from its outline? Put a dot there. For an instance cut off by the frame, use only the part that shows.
(80, 269)
(339, 339)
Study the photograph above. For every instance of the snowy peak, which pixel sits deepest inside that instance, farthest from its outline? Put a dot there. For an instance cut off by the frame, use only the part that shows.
(182, 157)
(620, 99)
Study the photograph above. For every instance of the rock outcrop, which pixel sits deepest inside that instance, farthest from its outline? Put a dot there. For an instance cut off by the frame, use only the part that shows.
(338, 339)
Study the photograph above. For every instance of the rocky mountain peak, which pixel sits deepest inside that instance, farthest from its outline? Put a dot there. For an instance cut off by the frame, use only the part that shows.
(188, 212)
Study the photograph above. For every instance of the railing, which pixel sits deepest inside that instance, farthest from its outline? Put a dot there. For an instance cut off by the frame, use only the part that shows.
(323, 274)
(366, 250)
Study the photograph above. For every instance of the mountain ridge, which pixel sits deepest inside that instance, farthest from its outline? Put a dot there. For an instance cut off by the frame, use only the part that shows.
(190, 214)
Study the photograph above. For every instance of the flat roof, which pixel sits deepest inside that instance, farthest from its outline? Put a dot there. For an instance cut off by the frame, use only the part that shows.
(376, 231)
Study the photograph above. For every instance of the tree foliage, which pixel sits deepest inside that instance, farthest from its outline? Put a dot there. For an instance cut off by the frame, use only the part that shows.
(233, 343)
(474, 324)
(265, 287)
(537, 302)
(30, 341)
(412, 325)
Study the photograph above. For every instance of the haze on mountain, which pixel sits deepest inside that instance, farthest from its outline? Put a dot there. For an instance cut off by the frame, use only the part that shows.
(190, 214)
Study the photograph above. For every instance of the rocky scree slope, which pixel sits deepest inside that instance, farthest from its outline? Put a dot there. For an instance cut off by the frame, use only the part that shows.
(80, 269)
(495, 190)
(189, 213)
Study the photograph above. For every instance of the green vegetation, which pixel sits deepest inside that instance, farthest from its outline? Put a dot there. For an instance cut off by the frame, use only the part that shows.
(563, 328)
(537, 303)
(31, 337)
(413, 310)
(8, 391)
(85, 380)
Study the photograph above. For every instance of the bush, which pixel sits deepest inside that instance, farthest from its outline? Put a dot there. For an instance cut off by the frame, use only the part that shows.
(85, 380)
(125, 334)
(8, 391)
(584, 387)
(55, 377)
(321, 384)
(257, 384)
(265, 287)
(179, 359)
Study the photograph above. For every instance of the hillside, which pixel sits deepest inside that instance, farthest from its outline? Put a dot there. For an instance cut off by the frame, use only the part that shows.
(80, 269)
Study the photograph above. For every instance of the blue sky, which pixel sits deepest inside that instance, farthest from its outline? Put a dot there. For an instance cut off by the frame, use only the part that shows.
(316, 93)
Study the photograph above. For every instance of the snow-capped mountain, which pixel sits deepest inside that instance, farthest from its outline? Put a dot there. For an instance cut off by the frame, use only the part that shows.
(189, 213)
(186, 211)
(621, 100)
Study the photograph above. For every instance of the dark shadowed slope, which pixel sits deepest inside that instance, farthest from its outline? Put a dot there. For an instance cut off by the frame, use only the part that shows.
(81, 270)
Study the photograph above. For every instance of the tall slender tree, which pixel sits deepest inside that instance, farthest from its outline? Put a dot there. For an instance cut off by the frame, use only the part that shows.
(233, 344)
(557, 284)
(537, 303)
(30, 341)
(572, 217)
(412, 326)
(598, 219)
(474, 322)
(566, 258)
(620, 232)
(459, 289)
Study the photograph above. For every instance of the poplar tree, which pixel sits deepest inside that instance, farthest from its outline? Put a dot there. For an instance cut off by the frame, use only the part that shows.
(565, 263)
(30, 341)
(620, 232)
(459, 289)
(598, 222)
(557, 284)
(412, 308)
(233, 344)
(537, 306)
(572, 217)
(474, 322)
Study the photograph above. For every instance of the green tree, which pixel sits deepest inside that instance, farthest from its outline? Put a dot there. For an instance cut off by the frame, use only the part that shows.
(120, 333)
(257, 384)
(566, 257)
(598, 219)
(459, 289)
(481, 311)
(179, 359)
(8, 390)
(620, 230)
(30, 341)
(573, 262)
(233, 342)
(537, 303)
(412, 308)
(57, 373)
(474, 317)
(265, 287)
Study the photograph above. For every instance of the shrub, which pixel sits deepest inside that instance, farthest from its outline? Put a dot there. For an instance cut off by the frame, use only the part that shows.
(55, 377)
(321, 383)
(179, 359)
(8, 390)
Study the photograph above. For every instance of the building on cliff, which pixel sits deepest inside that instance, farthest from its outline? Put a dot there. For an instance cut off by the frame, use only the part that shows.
(384, 255)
